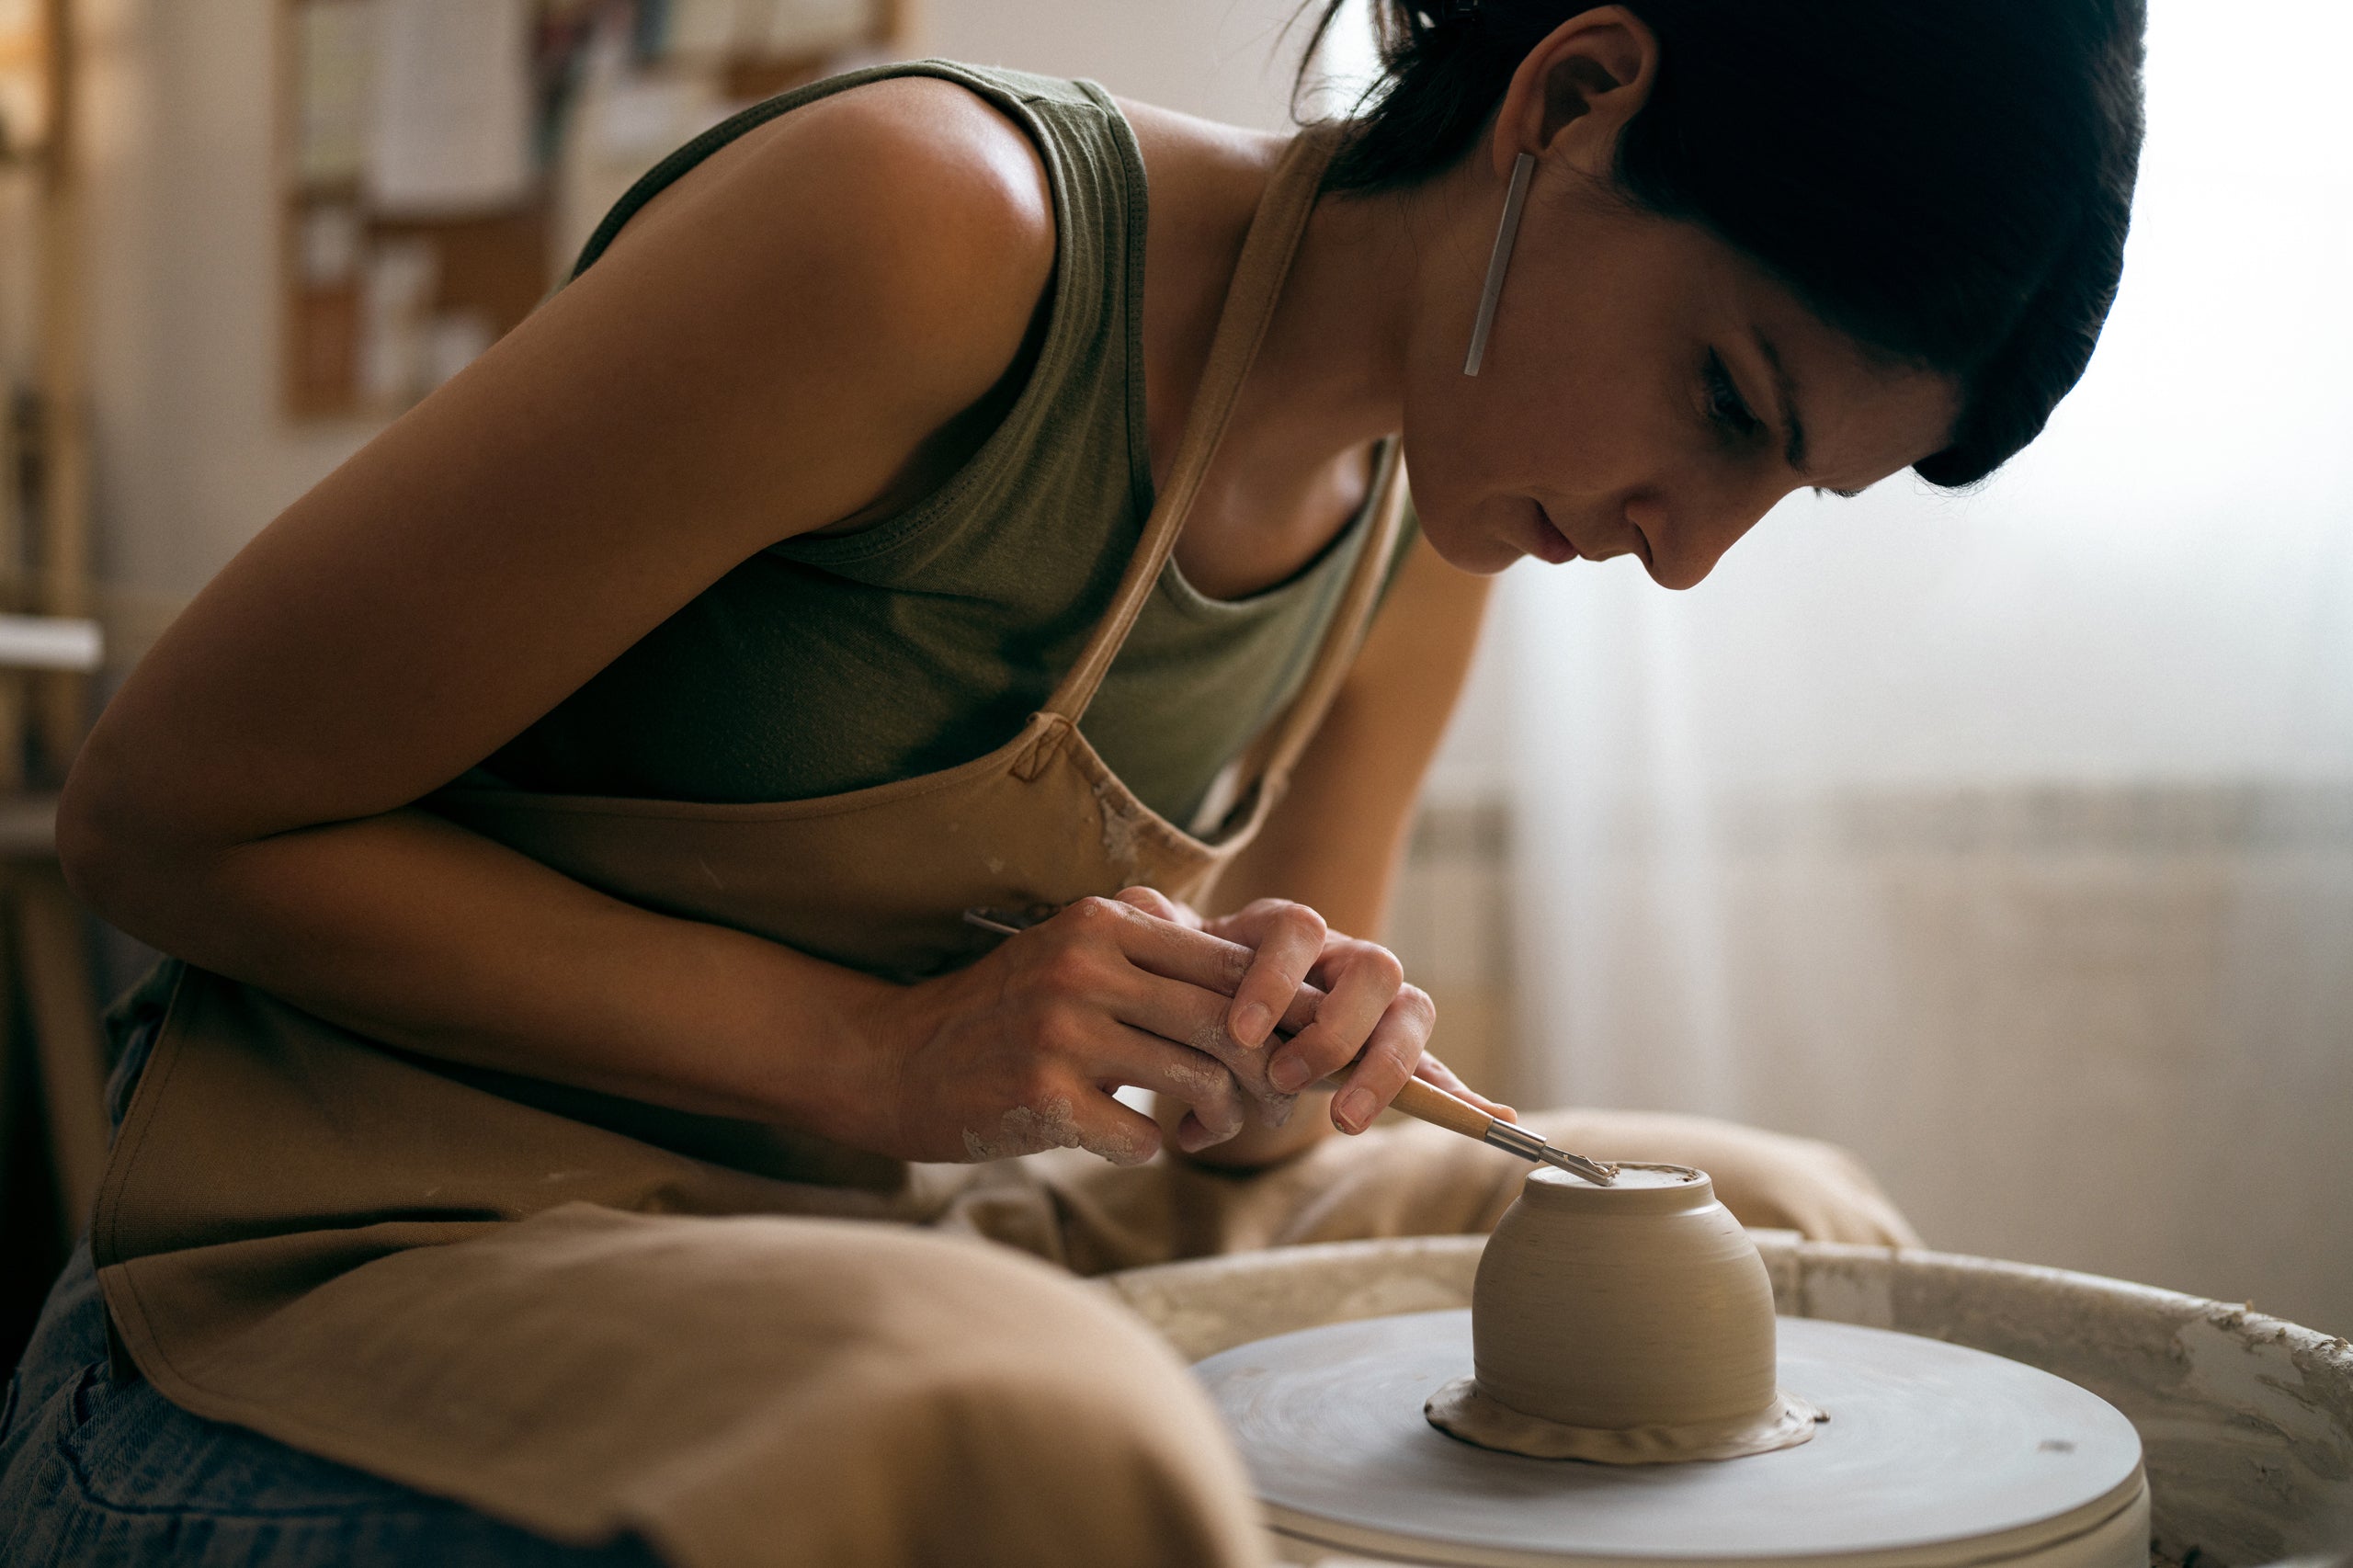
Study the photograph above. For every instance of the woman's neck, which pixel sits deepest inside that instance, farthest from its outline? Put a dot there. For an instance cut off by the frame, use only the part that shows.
(1330, 377)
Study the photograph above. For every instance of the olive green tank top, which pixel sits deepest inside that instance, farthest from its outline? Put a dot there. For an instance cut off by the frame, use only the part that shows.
(826, 665)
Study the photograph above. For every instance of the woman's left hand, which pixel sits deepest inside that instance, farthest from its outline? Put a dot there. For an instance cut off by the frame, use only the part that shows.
(1368, 1014)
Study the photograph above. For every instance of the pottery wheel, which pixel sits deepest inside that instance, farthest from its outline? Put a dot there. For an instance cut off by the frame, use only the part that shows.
(1934, 1454)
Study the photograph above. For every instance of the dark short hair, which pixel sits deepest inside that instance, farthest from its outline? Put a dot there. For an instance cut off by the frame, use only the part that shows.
(1949, 182)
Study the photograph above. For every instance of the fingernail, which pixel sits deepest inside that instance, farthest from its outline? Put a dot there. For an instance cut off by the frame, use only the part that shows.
(1288, 1074)
(1252, 1023)
(1353, 1108)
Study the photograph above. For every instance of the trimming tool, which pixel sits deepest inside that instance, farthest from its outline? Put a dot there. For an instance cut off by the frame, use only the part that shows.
(1419, 1098)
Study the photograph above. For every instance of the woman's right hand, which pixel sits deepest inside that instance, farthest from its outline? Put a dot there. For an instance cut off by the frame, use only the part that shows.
(1022, 1051)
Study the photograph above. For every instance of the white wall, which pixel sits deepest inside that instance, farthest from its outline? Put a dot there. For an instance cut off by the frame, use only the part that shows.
(1222, 59)
(193, 456)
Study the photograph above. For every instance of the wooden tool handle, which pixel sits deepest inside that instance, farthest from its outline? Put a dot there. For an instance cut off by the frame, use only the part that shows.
(1424, 1101)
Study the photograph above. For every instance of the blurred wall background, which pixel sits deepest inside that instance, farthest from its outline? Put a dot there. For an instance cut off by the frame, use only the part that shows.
(2004, 839)
(183, 117)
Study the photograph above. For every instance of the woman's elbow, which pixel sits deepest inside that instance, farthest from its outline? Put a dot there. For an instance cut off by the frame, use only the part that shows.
(115, 848)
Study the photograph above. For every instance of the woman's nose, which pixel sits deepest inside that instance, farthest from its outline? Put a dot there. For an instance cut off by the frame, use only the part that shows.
(1686, 540)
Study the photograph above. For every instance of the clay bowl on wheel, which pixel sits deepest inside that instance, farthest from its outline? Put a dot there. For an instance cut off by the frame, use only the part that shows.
(1630, 1324)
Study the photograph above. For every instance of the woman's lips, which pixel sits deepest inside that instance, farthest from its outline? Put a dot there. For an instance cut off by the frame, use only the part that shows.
(1552, 546)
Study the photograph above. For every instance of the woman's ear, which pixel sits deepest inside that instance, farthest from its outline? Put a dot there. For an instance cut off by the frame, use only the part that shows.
(1576, 90)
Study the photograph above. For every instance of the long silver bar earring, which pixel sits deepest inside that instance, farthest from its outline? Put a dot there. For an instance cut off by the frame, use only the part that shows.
(1522, 168)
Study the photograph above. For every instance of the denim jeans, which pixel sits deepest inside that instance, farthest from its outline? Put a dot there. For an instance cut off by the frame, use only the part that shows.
(97, 1469)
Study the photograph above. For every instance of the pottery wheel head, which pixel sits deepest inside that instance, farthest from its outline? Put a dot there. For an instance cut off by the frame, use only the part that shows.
(1935, 1456)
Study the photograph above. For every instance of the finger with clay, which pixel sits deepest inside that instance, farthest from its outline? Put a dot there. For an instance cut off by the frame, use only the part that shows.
(1344, 1003)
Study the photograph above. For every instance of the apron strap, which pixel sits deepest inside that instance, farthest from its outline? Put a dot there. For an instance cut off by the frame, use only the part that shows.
(1250, 300)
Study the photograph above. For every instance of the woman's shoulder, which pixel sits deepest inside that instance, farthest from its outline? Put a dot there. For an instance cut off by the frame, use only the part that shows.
(870, 263)
(903, 168)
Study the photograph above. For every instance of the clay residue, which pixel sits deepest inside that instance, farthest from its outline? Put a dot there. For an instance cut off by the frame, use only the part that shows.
(1123, 831)
(1268, 1106)
(1210, 1090)
(1027, 1129)
(1461, 1409)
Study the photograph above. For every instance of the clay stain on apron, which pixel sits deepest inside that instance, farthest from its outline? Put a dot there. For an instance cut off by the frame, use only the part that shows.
(1122, 830)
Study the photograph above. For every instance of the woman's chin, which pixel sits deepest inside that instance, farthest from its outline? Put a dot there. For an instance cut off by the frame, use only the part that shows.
(1483, 555)
(1491, 539)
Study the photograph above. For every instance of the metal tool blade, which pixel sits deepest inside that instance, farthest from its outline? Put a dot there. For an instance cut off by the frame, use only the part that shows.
(1528, 1147)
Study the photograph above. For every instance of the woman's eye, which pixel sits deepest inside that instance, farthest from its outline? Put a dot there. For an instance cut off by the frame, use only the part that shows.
(1726, 407)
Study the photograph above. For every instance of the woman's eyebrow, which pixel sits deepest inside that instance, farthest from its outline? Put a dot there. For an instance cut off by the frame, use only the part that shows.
(1785, 392)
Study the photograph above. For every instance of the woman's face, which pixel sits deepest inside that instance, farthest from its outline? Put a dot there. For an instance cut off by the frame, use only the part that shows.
(1646, 390)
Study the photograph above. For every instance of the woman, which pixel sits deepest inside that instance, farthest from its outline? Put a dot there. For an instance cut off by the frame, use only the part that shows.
(580, 822)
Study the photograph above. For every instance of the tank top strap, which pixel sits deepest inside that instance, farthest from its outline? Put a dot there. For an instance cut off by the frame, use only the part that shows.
(1250, 300)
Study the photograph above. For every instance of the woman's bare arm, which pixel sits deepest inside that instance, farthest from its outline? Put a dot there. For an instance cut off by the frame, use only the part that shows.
(765, 351)
(1337, 838)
